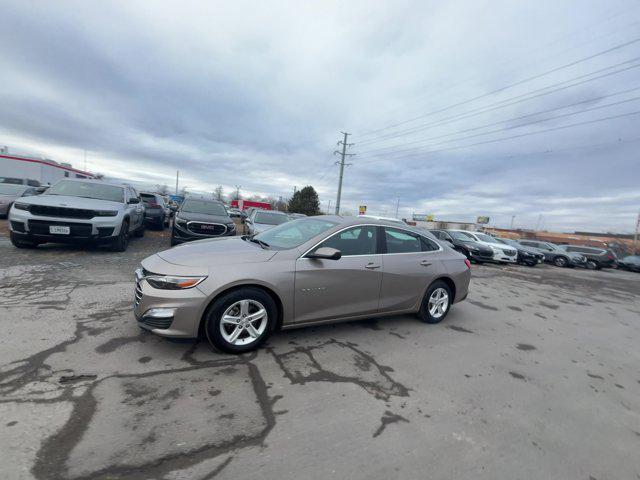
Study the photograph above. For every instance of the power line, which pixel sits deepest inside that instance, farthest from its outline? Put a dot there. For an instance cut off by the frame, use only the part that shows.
(545, 47)
(585, 110)
(501, 89)
(563, 127)
(540, 92)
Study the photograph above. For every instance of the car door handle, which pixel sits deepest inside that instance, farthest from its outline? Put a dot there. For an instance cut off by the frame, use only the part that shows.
(372, 266)
(425, 263)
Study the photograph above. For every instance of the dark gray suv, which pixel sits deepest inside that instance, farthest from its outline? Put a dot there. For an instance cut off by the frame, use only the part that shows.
(597, 258)
(554, 254)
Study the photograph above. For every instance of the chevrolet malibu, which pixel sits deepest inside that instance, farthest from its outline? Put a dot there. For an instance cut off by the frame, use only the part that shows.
(236, 291)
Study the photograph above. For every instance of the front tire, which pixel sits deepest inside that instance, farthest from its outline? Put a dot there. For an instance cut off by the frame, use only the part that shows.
(436, 303)
(591, 265)
(121, 243)
(560, 261)
(241, 320)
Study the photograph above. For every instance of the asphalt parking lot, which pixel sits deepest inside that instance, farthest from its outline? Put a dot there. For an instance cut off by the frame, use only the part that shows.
(535, 376)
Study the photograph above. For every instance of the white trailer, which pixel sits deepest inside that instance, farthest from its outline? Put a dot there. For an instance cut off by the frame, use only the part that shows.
(35, 171)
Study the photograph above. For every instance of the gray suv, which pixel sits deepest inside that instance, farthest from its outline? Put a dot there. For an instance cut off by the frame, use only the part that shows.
(554, 254)
(76, 211)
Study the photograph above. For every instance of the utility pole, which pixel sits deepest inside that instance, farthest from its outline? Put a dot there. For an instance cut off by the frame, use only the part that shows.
(539, 222)
(85, 159)
(397, 206)
(329, 207)
(238, 192)
(343, 155)
(513, 217)
(635, 236)
(177, 177)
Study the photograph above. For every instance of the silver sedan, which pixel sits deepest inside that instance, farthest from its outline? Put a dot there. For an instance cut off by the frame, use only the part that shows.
(236, 291)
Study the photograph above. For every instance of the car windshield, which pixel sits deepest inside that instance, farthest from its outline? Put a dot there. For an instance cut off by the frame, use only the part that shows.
(98, 191)
(294, 233)
(463, 236)
(486, 238)
(204, 207)
(270, 218)
(8, 189)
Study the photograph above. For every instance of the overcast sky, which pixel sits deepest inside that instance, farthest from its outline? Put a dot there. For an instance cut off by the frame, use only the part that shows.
(256, 94)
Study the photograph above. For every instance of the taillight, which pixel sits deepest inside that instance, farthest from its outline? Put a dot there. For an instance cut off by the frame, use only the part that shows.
(610, 257)
(467, 263)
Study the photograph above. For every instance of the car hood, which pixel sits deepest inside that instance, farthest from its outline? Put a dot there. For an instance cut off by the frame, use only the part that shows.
(72, 202)
(8, 198)
(216, 251)
(533, 251)
(500, 246)
(203, 217)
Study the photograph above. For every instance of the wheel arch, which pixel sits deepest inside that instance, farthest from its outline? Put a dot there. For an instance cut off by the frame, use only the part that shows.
(443, 278)
(269, 291)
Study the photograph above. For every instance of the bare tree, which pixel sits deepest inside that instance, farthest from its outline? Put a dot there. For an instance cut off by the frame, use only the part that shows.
(163, 189)
(218, 193)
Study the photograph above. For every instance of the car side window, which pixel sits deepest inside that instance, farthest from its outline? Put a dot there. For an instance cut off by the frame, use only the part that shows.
(429, 245)
(354, 241)
(399, 241)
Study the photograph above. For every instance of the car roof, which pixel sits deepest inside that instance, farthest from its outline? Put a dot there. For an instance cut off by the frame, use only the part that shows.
(208, 200)
(97, 182)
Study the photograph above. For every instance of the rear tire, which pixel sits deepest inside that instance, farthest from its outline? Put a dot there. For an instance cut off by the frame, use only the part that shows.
(121, 243)
(238, 333)
(20, 243)
(436, 303)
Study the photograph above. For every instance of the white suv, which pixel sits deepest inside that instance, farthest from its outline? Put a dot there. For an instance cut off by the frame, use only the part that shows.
(76, 211)
(501, 253)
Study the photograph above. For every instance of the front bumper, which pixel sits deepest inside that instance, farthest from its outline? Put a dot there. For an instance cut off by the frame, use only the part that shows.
(481, 256)
(186, 306)
(501, 257)
(35, 228)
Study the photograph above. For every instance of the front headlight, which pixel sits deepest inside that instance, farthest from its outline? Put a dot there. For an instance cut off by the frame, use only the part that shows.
(231, 225)
(105, 213)
(21, 206)
(172, 282)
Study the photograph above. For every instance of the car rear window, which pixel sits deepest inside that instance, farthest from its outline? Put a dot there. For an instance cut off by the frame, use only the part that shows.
(268, 218)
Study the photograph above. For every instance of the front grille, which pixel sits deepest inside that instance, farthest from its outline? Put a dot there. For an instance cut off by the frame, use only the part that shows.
(41, 227)
(17, 226)
(47, 211)
(201, 228)
(162, 323)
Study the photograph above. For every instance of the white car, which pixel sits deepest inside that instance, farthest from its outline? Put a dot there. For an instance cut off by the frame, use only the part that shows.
(261, 220)
(501, 253)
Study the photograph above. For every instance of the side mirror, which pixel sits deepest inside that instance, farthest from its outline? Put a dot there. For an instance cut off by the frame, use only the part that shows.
(134, 200)
(327, 253)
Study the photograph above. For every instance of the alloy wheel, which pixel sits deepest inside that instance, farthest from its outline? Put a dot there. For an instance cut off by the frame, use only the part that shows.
(438, 303)
(243, 322)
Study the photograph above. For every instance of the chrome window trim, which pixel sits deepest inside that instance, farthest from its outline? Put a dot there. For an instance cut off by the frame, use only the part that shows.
(440, 249)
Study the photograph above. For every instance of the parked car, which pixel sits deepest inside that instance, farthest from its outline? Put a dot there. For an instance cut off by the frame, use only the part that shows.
(305, 272)
(20, 181)
(74, 211)
(261, 220)
(630, 262)
(9, 193)
(157, 214)
(386, 219)
(501, 253)
(554, 254)
(526, 255)
(197, 219)
(597, 258)
(474, 251)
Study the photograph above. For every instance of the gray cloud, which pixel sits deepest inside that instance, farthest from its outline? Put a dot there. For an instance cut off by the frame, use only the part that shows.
(256, 94)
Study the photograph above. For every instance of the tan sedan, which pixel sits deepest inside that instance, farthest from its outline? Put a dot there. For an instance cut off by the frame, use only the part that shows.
(236, 291)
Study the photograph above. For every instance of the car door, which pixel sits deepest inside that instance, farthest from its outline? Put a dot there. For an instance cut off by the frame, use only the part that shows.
(330, 289)
(410, 264)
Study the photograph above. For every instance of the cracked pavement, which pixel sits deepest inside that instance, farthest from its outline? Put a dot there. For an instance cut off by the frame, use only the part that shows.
(536, 376)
